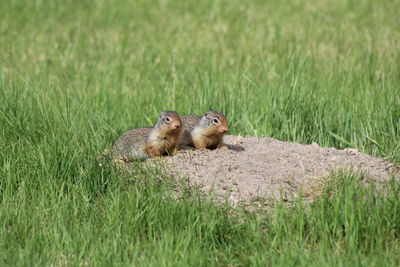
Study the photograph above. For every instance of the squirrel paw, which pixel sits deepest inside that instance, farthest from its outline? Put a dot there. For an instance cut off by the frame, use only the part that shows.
(220, 146)
(179, 152)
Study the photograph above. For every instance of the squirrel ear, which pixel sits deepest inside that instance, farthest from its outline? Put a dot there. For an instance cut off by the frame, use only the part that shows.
(206, 114)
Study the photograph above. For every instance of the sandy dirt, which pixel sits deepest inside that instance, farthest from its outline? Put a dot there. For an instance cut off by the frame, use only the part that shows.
(252, 168)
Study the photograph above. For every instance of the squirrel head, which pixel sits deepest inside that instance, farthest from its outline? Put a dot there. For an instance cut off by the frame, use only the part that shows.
(169, 121)
(215, 120)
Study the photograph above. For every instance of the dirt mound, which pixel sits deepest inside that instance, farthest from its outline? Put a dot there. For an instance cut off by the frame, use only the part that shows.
(251, 168)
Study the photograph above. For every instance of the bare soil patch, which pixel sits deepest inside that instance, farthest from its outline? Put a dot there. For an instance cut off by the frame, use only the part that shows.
(252, 168)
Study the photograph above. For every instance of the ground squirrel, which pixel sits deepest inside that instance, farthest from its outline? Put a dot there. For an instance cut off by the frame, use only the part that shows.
(162, 139)
(205, 132)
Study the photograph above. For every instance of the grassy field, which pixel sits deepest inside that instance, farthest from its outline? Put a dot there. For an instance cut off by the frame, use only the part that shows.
(76, 74)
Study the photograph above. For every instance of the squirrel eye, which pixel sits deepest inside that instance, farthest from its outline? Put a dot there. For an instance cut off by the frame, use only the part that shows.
(215, 121)
(167, 119)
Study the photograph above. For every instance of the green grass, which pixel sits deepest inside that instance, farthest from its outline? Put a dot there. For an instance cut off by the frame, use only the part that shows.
(76, 74)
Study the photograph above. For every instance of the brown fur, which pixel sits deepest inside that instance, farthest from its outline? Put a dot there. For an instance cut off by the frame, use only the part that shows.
(204, 142)
(165, 144)
(203, 133)
(160, 140)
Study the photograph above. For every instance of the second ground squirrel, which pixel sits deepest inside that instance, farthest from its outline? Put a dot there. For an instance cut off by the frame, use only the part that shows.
(205, 132)
(162, 139)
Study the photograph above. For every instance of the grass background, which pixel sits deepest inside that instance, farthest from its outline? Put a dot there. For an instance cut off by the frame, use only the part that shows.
(76, 74)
